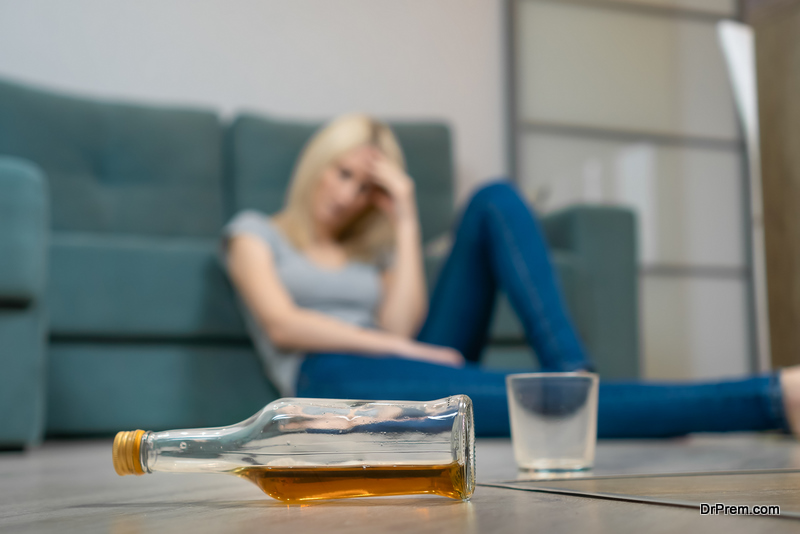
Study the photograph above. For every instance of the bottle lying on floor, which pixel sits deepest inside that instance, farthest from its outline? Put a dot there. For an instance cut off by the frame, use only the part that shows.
(297, 450)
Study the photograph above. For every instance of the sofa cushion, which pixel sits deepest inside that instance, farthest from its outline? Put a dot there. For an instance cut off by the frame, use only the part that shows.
(101, 388)
(116, 167)
(261, 153)
(128, 286)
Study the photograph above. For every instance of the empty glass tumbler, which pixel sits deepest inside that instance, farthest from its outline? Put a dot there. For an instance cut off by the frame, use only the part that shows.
(553, 419)
(304, 449)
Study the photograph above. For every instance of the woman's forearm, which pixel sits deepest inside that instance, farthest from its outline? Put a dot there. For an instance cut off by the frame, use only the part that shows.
(311, 331)
(405, 302)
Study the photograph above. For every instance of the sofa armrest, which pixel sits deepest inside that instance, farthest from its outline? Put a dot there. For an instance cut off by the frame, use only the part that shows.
(23, 230)
(23, 251)
(602, 241)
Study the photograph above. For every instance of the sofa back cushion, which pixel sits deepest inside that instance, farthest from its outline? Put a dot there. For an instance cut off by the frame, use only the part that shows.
(261, 153)
(118, 168)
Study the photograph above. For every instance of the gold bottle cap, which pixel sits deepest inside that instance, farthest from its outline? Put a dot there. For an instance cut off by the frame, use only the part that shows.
(126, 453)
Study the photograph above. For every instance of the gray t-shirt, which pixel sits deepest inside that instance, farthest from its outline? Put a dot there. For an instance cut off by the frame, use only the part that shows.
(351, 293)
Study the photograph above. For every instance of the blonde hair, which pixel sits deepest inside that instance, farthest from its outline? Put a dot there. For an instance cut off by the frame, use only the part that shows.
(370, 233)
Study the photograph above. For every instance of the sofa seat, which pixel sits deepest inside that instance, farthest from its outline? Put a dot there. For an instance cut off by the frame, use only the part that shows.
(101, 388)
(123, 286)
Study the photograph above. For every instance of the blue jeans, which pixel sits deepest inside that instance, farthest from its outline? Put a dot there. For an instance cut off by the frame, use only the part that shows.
(499, 244)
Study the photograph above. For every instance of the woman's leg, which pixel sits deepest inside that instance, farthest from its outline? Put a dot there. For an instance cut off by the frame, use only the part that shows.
(499, 243)
(346, 376)
(626, 410)
(653, 409)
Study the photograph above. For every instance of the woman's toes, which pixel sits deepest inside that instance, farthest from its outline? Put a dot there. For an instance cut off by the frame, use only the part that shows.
(790, 386)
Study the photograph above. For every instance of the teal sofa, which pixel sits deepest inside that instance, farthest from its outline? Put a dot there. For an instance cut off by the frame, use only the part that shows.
(128, 321)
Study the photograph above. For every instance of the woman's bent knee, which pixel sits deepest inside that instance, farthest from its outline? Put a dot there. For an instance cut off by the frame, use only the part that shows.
(498, 190)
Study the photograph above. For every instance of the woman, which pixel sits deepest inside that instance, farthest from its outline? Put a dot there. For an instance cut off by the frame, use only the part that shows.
(335, 299)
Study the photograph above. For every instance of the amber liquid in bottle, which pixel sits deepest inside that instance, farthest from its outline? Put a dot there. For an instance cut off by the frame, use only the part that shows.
(297, 484)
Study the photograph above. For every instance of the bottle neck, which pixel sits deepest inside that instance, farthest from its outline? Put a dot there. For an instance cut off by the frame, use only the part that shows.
(201, 450)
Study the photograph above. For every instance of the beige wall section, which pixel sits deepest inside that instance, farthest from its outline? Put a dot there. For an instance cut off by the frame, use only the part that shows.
(620, 70)
(777, 26)
(591, 66)
(438, 59)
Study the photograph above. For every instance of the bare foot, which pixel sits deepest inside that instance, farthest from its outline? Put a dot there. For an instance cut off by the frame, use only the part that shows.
(790, 385)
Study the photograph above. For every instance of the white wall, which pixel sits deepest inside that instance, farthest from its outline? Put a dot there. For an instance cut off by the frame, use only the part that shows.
(440, 59)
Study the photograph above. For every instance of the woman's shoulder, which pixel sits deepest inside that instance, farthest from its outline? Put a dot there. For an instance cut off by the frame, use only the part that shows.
(248, 216)
(252, 222)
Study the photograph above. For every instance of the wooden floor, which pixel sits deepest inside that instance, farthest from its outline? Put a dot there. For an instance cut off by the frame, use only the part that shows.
(72, 487)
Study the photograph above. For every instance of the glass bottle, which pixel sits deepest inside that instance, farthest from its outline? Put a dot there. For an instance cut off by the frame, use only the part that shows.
(304, 449)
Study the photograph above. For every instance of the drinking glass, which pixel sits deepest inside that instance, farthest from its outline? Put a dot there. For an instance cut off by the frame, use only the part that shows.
(553, 419)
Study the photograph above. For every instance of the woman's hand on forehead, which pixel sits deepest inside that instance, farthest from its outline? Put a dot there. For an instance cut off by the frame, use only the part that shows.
(393, 182)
